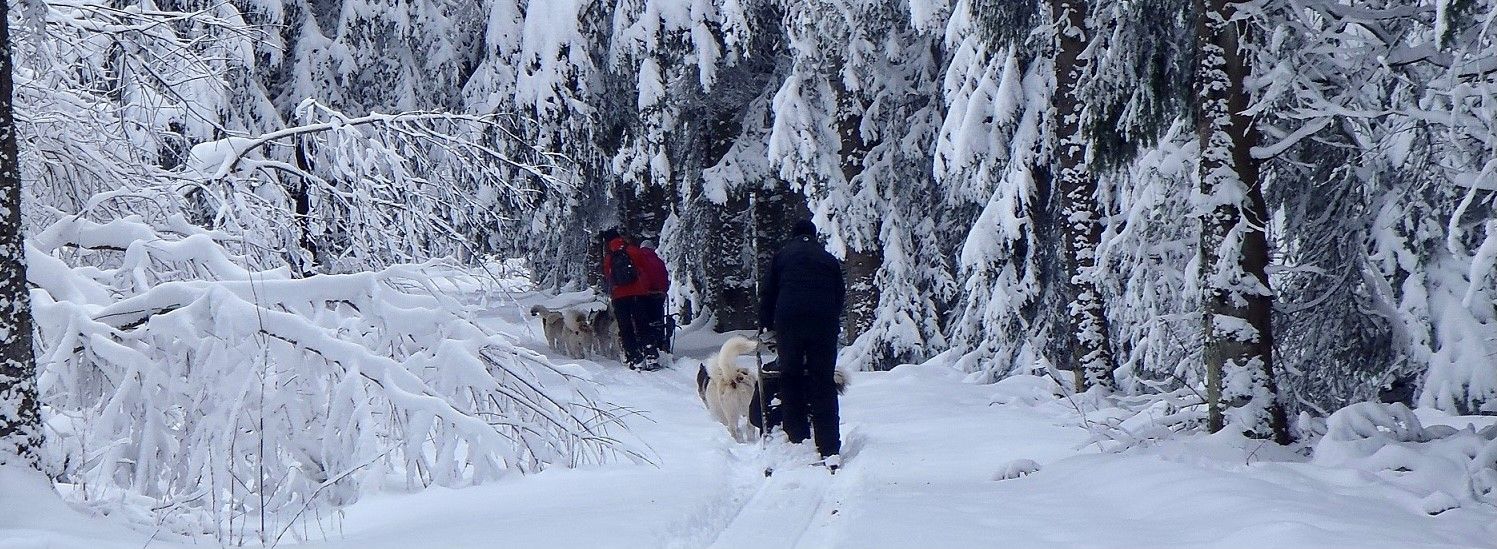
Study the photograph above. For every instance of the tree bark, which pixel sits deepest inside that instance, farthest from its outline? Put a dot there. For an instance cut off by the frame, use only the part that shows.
(1081, 221)
(301, 207)
(1235, 295)
(20, 411)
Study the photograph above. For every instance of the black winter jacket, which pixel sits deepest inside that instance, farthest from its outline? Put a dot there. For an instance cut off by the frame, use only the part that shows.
(804, 283)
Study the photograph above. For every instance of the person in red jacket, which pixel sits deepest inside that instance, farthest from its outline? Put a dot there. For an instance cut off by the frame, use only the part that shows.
(629, 277)
(661, 279)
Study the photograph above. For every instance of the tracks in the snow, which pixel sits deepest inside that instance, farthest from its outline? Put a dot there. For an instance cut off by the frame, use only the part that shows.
(780, 511)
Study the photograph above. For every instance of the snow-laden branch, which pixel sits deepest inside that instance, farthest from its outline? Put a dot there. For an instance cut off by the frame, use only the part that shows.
(215, 160)
(357, 192)
(175, 374)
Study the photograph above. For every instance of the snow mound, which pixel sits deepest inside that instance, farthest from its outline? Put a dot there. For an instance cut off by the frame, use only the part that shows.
(1440, 466)
(36, 517)
(1017, 468)
(1027, 390)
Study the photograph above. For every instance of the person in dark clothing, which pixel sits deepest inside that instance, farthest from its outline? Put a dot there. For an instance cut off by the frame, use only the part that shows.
(801, 301)
(629, 279)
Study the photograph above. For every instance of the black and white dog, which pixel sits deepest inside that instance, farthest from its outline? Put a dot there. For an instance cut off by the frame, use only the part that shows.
(734, 394)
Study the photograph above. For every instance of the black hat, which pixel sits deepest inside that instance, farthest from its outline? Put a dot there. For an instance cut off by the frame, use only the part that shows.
(608, 235)
(804, 227)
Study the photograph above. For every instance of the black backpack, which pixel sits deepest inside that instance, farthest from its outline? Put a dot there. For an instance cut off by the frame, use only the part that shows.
(621, 267)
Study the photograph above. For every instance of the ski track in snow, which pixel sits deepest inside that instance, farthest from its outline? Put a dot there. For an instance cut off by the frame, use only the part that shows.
(780, 512)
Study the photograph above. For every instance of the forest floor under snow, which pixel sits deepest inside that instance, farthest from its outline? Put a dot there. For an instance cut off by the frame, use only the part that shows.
(926, 461)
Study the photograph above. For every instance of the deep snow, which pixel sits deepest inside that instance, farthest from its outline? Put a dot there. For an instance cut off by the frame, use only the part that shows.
(926, 457)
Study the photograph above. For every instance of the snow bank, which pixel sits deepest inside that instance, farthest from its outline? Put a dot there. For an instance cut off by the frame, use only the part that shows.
(36, 517)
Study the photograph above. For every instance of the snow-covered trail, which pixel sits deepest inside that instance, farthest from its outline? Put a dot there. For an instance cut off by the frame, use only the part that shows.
(923, 449)
(907, 461)
(922, 452)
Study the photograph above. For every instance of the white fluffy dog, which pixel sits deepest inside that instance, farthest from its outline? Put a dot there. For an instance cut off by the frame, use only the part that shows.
(728, 389)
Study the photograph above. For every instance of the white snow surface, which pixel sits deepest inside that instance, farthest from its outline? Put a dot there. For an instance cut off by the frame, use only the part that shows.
(929, 461)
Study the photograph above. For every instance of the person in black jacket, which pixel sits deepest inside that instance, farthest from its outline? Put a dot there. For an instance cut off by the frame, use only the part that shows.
(801, 301)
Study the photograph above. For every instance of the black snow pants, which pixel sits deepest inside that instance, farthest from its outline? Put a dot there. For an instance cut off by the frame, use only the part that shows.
(658, 323)
(808, 396)
(637, 318)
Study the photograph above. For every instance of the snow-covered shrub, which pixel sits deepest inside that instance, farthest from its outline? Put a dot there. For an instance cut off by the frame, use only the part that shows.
(1119, 423)
(1440, 465)
(239, 403)
(1028, 390)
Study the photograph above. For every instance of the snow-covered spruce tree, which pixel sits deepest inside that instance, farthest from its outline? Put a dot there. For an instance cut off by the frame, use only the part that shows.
(20, 414)
(1335, 323)
(547, 61)
(1151, 254)
(1236, 298)
(988, 156)
(849, 119)
(360, 56)
(1080, 216)
(1399, 267)
(1143, 156)
(693, 155)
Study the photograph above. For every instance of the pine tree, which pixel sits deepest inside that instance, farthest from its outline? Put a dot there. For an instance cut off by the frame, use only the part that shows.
(1236, 296)
(1080, 217)
(20, 414)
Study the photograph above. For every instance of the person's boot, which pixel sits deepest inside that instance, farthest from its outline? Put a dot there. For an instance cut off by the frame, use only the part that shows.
(651, 362)
(832, 463)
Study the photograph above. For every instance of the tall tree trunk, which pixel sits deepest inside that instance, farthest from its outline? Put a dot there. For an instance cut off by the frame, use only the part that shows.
(860, 267)
(20, 413)
(1235, 294)
(301, 203)
(1081, 222)
(643, 213)
(727, 260)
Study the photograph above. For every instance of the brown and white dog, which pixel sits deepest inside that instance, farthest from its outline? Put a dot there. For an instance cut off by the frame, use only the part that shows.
(579, 330)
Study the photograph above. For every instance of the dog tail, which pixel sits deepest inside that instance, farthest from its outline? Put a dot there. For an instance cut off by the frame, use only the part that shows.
(723, 366)
(841, 378)
(736, 347)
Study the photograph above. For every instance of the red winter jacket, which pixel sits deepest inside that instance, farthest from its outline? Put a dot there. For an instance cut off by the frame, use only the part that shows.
(660, 279)
(644, 285)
